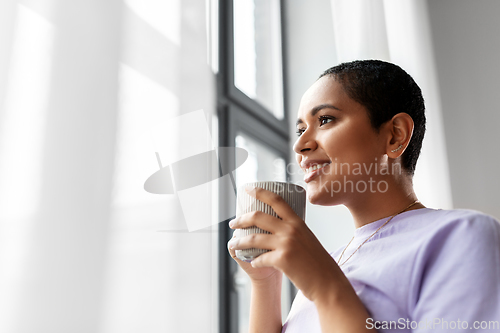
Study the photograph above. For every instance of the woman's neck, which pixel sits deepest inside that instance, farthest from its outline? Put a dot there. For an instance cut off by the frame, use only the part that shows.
(370, 207)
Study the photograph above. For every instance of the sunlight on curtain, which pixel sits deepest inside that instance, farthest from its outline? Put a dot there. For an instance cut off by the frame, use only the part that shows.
(83, 247)
(398, 31)
(21, 136)
(23, 119)
(56, 152)
(359, 29)
(159, 276)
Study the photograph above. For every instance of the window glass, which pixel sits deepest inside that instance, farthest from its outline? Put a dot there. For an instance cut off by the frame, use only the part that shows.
(263, 163)
(257, 52)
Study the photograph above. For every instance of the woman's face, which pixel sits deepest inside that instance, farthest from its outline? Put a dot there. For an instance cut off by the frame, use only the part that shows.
(336, 136)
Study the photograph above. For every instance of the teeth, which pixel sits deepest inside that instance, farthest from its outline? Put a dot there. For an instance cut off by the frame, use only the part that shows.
(316, 167)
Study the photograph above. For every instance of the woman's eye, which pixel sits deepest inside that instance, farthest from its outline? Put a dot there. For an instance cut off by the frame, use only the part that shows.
(300, 131)
(324, 120)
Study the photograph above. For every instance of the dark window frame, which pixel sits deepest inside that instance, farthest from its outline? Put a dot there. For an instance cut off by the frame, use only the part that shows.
(238, 112)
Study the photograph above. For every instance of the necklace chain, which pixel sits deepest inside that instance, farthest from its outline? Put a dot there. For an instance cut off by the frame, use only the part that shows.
(366, 240)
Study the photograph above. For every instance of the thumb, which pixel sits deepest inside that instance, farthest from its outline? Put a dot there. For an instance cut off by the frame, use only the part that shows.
(257, 262)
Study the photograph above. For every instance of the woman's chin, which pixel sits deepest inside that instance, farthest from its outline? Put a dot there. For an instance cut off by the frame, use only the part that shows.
(322, 198)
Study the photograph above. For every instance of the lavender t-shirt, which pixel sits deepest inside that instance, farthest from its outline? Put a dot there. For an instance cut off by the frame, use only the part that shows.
(425, 271)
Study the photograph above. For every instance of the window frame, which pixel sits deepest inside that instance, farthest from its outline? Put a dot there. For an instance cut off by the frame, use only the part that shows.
(226, 68)
(238, 112)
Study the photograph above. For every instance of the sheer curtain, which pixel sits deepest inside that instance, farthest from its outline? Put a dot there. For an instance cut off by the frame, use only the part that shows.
(399, 31)
(85, 88)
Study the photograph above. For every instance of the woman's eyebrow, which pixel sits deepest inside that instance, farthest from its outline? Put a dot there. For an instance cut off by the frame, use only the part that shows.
(316, 109)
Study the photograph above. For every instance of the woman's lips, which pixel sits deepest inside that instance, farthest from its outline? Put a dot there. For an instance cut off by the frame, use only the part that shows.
(309, 176)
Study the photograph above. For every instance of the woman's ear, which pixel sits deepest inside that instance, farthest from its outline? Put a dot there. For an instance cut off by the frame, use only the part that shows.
(400, 130)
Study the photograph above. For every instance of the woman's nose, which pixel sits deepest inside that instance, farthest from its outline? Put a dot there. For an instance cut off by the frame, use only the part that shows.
(304, 143)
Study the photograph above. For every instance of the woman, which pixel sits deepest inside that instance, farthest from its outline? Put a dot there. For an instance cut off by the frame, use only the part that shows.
(408, 267)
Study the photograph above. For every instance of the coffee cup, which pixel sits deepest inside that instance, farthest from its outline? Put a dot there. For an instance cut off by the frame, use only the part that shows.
(294, 195)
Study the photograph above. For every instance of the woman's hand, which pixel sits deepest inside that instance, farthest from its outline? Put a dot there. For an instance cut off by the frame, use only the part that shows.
(294, 249)
(256, 274)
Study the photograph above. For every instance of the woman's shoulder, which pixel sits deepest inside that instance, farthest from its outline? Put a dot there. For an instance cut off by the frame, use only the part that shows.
(462, 219)
(431, 228)
(464, 215)
(462, 228)
(456, 258)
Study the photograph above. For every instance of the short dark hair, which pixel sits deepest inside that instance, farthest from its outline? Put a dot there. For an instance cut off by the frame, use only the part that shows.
(385, 90)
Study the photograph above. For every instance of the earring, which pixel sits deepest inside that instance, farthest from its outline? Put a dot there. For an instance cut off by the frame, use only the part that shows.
(395, 150)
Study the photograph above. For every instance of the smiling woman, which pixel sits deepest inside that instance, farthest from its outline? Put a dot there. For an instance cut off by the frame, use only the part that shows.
(360, 128)
(344, 133)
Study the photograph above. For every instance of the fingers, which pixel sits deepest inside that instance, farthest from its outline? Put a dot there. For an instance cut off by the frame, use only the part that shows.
(258, 241)
(264, 260)
(274, 200)
(230, 249)
(257, 219)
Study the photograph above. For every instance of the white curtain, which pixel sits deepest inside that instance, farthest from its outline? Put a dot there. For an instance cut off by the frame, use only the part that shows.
(84, 85)
(399, 31)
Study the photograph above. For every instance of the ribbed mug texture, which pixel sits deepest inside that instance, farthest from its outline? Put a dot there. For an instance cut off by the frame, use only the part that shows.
(294, 195)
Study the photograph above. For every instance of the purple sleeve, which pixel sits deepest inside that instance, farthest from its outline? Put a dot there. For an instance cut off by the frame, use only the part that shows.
(456, 278)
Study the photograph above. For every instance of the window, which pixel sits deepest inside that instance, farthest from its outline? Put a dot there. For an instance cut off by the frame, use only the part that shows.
(251, 113)
(257, 53)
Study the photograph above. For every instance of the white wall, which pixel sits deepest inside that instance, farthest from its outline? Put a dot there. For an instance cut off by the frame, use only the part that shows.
(467, 49)
(310, 51)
